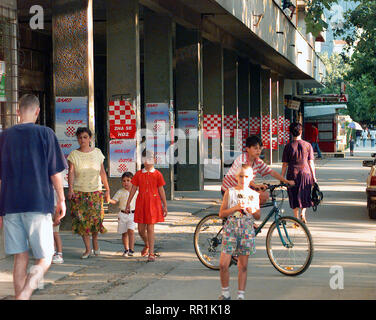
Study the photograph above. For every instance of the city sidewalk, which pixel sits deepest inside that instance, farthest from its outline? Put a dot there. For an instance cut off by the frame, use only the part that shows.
(184, 205)
(113, 279)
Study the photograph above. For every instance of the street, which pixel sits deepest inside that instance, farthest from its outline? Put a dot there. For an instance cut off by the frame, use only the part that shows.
(344, 243)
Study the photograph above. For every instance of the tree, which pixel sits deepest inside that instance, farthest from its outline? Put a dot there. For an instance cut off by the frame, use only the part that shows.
(315, 13)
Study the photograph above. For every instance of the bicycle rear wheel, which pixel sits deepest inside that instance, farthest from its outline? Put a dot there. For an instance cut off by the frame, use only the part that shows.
(294, 254)
(208, 239)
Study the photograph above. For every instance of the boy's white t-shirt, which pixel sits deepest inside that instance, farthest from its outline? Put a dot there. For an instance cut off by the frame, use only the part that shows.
(122, 196)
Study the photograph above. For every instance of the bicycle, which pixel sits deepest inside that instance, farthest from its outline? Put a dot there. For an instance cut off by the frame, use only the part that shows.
(289, 243)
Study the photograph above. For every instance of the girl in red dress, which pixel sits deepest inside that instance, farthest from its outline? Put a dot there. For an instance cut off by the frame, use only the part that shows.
(151, 195)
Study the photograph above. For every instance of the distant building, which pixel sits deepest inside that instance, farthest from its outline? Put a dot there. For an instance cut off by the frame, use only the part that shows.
(335, 19)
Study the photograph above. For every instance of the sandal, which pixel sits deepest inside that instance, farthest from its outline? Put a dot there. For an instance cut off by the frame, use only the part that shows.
(145, 251)
(303, 219)
(151, 257)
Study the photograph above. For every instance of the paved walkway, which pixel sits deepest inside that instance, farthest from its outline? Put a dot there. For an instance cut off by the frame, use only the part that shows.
(343, 235)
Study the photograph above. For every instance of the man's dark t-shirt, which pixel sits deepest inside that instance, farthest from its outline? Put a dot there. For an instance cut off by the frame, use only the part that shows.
(29, 155)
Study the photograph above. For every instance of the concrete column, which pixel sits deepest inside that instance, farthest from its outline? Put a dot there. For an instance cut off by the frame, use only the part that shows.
(123, 61)
(255, 91)
(266, 109)
(213, 93)
(158, 73)
(230, 70)
(189, 96)
(243, 98)
(73, 57)
(274, 113)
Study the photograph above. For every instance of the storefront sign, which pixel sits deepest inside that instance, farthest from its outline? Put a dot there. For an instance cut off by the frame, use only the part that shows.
(122, 157)
(293, 104)
(122, 120)
(71, 113)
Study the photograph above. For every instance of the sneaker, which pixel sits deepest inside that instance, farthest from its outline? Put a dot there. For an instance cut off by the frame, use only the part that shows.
(222, 297)
(125, 253)
(130, 253)
(57, 259)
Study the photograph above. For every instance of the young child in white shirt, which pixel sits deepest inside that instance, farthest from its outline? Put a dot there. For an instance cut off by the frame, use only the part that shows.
(126, 224)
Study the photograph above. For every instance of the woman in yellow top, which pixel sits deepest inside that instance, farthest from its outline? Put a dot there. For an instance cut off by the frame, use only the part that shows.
(85, 177)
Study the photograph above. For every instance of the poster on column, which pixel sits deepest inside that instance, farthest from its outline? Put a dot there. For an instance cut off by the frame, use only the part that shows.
(122, 156)
(266, 132)
(157, 120)
(281, 131)
(71, 113)
(122, 120)
(67, 146)
(188, 120)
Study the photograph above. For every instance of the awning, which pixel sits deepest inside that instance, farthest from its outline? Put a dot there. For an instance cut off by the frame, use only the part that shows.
(322, 110)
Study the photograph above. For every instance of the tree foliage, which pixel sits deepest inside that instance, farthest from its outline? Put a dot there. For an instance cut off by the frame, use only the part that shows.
(357, 69)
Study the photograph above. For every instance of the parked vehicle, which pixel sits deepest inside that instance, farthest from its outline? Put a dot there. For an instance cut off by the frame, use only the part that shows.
(371, 186)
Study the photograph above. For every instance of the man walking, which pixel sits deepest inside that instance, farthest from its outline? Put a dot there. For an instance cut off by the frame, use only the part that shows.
(31, 163)
(315, 141)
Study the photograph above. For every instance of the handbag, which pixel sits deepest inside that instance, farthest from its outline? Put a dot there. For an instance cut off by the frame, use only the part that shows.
(317, 196)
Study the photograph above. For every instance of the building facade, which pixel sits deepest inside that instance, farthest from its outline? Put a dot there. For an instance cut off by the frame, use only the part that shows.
(202, 74)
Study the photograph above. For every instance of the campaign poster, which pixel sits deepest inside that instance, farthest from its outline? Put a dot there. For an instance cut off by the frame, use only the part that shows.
(67, 146)
(157, 117)
(122, 120)
(71, 113)
(158, 124)
(187, 121)
(122, 156)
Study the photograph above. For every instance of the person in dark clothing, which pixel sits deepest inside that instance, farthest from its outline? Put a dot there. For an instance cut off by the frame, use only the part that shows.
(315, 141)
(31, 163)
(298, 161)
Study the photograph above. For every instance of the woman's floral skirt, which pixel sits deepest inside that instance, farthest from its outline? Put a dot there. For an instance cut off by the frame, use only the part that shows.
(87, 213)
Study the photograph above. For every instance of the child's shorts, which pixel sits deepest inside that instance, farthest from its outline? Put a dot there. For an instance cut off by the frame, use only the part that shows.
(125, 222)
(239, 236)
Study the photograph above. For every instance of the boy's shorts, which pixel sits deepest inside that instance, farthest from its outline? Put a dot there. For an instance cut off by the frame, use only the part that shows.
(238, 237)
(25, 229)
(125, 222)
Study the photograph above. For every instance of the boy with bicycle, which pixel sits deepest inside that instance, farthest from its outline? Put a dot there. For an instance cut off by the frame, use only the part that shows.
(241, 207)
(252, 158)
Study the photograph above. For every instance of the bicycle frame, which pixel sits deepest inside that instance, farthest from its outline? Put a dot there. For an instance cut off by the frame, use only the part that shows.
(276, 212)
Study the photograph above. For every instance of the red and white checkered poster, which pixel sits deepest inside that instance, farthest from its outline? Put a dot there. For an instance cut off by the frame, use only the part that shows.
(243, 126)
(254, 125)
(122, 120)
(212, 126)
(287, 131)
(266, 134)
(274, 127)
(229, 124)
(281, 130)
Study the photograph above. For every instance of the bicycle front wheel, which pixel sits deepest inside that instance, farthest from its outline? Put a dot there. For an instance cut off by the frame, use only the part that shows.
(289, 246)
(208, 239)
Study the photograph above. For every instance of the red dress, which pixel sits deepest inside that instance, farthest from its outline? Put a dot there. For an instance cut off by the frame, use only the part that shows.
(148, 203)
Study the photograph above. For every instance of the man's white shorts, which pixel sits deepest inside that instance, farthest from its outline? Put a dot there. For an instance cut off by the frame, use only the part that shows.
(125, 222)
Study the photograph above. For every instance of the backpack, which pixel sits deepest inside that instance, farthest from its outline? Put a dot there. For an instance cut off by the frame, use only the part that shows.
(316, 196)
